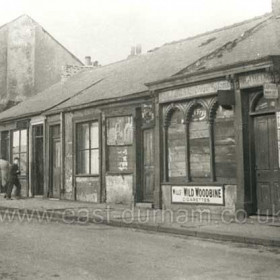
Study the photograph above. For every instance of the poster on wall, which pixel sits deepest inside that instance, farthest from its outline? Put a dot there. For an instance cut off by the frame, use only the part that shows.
(198, 194)
(120, 131)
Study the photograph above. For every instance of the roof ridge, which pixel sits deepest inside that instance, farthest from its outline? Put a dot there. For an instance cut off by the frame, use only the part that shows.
(265, 16)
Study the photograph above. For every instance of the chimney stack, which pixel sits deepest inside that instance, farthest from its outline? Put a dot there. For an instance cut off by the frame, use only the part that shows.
(276, 8)
(88, 61)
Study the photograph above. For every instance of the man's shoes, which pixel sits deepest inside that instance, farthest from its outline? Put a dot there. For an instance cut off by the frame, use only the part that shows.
(5, 195)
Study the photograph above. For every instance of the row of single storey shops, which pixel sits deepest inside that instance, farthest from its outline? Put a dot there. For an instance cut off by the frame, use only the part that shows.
(206, 139)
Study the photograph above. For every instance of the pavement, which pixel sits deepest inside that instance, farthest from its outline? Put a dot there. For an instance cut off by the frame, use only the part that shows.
(256, 230)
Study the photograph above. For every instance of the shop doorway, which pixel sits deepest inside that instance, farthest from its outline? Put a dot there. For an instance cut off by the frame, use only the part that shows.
(266, 157)
(38, 160)
(148, 166)
(55, 162)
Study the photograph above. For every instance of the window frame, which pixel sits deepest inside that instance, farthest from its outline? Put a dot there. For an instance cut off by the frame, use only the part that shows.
(87, 121)
(187, 107)
(13, 155)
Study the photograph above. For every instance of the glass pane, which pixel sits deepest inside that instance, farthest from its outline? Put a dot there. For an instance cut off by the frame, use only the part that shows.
(83, 136)
(16, 142)
(265, 105)
(23, 141)
(177, 146)
(94, 135)
(23, 163)
(199, 150)
(95, 161)
(83, 162)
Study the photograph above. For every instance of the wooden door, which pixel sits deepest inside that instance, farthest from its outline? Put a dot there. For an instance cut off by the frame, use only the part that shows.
(38, 160)
(55, 162)
(266, 164)
(148, 165)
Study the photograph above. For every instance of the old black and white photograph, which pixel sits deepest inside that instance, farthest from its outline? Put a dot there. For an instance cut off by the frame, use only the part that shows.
(139, 139)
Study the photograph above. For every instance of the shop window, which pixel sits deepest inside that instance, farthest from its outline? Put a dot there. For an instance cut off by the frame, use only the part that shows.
(19, 149)
(88, 148)
(199, 145)
(224, 144)
(5, 145)
(120, 153)
(176, 146)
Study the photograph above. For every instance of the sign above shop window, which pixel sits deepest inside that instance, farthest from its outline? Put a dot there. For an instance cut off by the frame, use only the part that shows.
(270, 91)
(213, 195)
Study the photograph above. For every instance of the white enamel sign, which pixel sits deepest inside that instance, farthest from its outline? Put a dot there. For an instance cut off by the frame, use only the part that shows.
(198, 194)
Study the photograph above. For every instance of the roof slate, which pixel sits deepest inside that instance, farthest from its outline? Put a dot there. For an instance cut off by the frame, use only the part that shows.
(241, 42)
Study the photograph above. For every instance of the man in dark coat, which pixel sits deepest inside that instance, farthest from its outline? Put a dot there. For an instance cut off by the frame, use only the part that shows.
(13, 179)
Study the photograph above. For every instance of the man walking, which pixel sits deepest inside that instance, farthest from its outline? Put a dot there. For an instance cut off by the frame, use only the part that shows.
(13, 180)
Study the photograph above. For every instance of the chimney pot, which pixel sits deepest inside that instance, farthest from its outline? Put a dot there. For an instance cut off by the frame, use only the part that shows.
(276, 7)
(138, 49)
(132, 51)
(88, 61)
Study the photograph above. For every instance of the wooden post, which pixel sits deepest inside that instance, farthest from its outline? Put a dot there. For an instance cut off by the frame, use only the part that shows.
(212, 150)
(158, 156)
(62, 137)
(239, 131)
(188, 170)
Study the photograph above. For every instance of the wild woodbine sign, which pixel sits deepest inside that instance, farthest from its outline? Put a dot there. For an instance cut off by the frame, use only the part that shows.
(198, 194)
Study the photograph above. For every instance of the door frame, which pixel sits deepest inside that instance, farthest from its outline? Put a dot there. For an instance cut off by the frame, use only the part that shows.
(142, 169)
(33, 158)
(252, 115)
(50, 171)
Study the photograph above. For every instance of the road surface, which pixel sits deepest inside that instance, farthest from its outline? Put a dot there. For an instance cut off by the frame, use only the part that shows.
(60, 251)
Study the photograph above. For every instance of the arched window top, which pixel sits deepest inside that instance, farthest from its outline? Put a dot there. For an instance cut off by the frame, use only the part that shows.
(263, 105)
(198, 113)
(176, 117)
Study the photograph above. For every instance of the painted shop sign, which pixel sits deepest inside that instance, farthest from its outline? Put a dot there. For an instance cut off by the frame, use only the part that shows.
(198, 194)
(253, 80)
(270, 91)
(194, 91)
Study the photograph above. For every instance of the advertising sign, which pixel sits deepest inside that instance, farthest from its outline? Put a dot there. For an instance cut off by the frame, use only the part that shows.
(270, 91)
(198, 194)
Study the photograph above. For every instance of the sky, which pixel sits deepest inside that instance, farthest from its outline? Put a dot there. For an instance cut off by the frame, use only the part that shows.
(106, 29)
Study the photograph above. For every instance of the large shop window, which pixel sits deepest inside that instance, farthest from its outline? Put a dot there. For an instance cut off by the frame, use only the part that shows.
(199, 144)
(20, 149)
(224, 143)
(88, 148)
(120, 144)
(176, 146)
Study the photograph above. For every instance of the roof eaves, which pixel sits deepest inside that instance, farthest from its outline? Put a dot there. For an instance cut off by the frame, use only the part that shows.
(98, 102)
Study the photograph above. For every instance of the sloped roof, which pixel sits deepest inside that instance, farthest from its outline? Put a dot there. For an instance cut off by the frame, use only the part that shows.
(245, 41)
